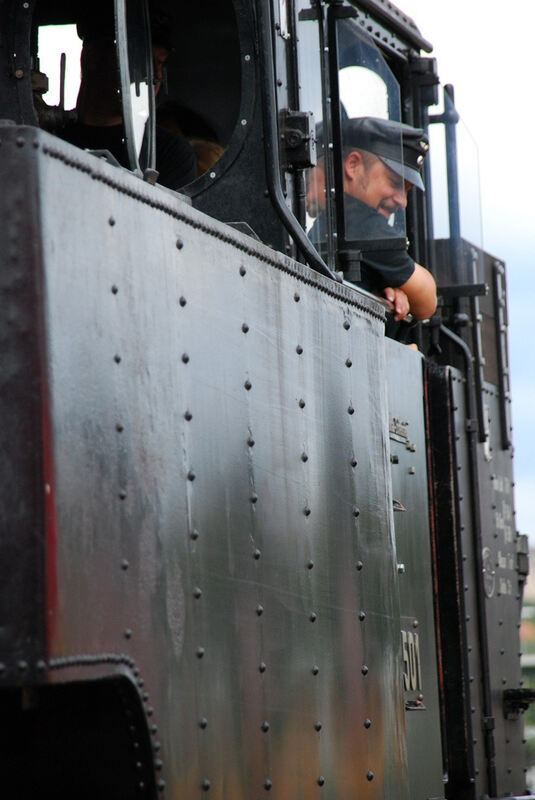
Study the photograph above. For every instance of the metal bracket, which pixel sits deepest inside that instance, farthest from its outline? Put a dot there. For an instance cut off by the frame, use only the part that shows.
(517, 701)
(298, 142)
(425, 76)
(464, 290)
(522, 556)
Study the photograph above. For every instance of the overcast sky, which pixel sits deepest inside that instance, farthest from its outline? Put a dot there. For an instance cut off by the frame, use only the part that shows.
(489, 60)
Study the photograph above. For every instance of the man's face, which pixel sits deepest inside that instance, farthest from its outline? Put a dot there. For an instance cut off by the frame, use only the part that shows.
(375, 184)
(315, 195)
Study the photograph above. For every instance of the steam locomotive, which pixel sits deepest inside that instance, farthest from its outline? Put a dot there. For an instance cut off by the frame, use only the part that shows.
(249, 544)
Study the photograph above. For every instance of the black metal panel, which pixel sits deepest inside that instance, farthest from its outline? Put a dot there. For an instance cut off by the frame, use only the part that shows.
(451, 586)
(221, 472)
(24, 471)
(503, 594)
(479, 590)
(413, 547)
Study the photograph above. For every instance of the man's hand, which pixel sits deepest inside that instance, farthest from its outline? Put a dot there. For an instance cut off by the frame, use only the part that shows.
(399, 302)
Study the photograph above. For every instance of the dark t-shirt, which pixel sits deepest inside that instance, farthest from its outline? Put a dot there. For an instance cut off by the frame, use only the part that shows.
(175, 159)
(379, 268)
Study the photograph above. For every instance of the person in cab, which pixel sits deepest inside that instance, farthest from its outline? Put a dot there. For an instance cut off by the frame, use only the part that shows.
(382, 160)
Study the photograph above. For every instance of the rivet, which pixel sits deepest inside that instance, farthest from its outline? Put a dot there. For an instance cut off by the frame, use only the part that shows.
(128, 633)
(310, 565)
(347, 325)
(23, 666)
(212, 175)
(302, 403)
(306, 511)
(203, 722)
(312, 616)
(243, 271)
(145, 698)
(267, 784)
(185, 358)
(297, 297)
(250, 442)
(502, 651)
(253, 498)
(158, 763)
(265, 726)
(415, 623)
(124, 564)
(41, 665)
(356, 511)
(182, 301)
(350, 410)
(364, 669)
(117, 359)
(248, 385)
(114, 289)
(119, 428)
(256, 554)
(244, 122)
(369, 775)
(349, 363)
(261, 667)
(154, 729)
(259, 610)
(362, 615)
(179, 244)
(315, 669)
(317, 725)
(194, 534)
(359, 565)
(245, 327)
(299, 350)
(205, 785)
(161, 785)
(111, 221)
(122, 494)
(353, 462)
(191, 475)
(197, 592)
(321, 780)
(200, 652)
(304, 457)
(367, 723)
(247, 58)
(149, 711)
(188, 416)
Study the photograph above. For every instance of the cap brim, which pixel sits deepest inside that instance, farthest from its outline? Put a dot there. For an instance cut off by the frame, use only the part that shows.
(406, 172)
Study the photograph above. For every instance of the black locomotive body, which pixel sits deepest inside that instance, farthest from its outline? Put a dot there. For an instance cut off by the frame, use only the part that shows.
(249, 544)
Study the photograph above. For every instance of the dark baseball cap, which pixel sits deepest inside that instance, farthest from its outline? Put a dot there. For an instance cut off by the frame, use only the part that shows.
(401, 147)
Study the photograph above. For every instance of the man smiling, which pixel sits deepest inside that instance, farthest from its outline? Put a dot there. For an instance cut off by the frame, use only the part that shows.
(382, 159)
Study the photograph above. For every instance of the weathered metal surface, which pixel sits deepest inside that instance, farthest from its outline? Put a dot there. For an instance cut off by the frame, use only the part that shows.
(413, 548)
(23, 429)
(502, 591)
(477, 637)
(221, 492)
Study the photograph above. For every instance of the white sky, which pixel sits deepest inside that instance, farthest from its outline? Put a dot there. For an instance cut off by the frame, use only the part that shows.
(486, 51)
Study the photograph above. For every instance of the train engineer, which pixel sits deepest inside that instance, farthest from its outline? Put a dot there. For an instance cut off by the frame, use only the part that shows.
(382, 160)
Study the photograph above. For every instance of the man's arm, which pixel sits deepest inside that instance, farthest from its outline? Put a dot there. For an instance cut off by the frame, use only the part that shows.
(421, 291)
